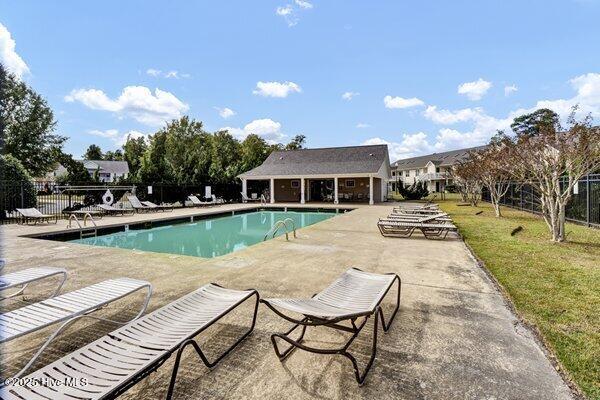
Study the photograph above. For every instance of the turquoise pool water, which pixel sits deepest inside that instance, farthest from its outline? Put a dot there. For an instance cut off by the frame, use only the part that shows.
(205, 238)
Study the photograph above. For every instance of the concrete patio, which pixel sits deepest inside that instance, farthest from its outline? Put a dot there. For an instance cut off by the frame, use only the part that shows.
(453, 338)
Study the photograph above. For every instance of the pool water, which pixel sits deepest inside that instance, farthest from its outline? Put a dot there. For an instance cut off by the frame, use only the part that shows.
(208, 237)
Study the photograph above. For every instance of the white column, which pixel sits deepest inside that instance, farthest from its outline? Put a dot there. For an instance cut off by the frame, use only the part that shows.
(302, 200)
(272, 190)
(245, 187)
(371, 190)
(335, 190)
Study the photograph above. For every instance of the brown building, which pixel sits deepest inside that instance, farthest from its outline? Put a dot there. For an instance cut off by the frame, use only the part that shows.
(336, 174)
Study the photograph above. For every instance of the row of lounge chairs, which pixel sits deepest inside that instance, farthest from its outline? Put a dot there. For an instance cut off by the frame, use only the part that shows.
(114, 363)
(29, 215)
(428, 219)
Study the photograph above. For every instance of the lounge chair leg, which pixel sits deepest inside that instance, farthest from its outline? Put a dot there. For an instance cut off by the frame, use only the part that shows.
(360, 378)
(207, 363)
(386, 327)
(292, 346)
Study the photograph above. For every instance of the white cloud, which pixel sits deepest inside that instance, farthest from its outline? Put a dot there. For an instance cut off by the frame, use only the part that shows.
(288, 14)
(399, 102)
(411, 145)
(109, 133)
(8, 56)
(137, 102)
(266, 128)
(362, 125)
(474, 90)
(276, 89)
(225, 112)
(349, 95)
(117, 138)
(153, 72)
(510, 89)
(447, 117)
(167, 74)
(303, 4)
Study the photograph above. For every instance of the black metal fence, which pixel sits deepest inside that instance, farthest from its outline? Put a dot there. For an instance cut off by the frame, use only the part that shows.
(53, 199)
(583, 208)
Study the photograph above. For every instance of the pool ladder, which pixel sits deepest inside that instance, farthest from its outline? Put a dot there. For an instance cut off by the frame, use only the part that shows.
(278, 224)
(83, 232)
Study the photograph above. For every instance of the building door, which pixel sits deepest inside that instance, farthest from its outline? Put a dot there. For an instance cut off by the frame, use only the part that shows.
(321, 190)
(437, 187)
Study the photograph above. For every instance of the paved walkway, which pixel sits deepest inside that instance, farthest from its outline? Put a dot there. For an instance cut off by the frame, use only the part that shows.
(453, 338)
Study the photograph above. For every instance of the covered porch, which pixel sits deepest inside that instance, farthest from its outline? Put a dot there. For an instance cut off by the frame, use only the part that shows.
(316, 189)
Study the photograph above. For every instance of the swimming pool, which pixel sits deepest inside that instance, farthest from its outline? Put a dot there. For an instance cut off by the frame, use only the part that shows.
(208, 237)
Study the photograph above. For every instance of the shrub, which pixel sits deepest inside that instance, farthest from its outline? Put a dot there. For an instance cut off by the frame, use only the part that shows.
(17, 188)
(416, 191)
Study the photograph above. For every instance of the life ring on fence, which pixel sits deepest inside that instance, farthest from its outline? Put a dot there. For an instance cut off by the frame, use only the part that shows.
(108, 198)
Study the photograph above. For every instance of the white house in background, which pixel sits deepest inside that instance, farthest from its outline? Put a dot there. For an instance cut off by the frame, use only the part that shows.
(335, 174)
(432, 169)
(108, 171)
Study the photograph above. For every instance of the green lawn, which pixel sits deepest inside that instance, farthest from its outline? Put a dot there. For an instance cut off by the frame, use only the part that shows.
(555, 287)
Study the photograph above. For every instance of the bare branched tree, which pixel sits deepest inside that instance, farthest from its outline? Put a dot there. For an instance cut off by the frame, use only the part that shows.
(552, 160)
(494, 164)
(467, 177)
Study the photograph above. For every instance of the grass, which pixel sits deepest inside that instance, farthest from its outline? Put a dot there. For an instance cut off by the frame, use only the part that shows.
(554, 286)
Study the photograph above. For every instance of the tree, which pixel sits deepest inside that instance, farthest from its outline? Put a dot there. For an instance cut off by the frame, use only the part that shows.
(116, 155)
(93, 152)
(552, 161)
(254, 150)
(468, 180)
(17, 186)
(76, 172)
(188, 151)
(494, 164)
(531, 124)
(153, 166)
(133, 151)
(416, 191)
(296, 143)
(27, 124)
(225, 160)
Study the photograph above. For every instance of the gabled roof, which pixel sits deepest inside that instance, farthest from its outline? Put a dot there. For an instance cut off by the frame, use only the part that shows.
(332, 160)
(113, 167)
(439, 159)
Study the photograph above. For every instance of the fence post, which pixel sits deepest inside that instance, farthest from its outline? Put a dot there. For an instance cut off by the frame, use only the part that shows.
(588, 206)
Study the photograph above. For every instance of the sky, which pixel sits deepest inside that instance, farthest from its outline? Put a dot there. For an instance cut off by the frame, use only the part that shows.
(423, 77)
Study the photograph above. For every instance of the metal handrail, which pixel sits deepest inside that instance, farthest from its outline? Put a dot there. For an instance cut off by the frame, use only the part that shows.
(293, 225)
(263, 200)
(275, 228)
(73, 217)
(91, 218)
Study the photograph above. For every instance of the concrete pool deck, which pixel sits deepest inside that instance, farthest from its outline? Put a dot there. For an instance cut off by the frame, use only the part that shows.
(453, 338)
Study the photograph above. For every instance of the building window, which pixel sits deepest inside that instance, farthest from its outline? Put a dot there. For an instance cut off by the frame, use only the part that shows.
(295, 184)
(350, 183)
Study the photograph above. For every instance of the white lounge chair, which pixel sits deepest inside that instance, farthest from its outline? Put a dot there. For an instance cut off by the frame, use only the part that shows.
(246, 199)
(406, 229)
(112, 210)
(21, 279)
(354, 297)
(137, 204)
(162, 207)
(413, 211)
(116, 362)
(438, 217)
(216, 200)
(66, 309)
(199, 203)
(33, 214)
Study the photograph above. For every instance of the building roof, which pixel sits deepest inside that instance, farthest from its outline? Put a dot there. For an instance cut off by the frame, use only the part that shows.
(113, 167)
(439, 159)
(332, 160)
